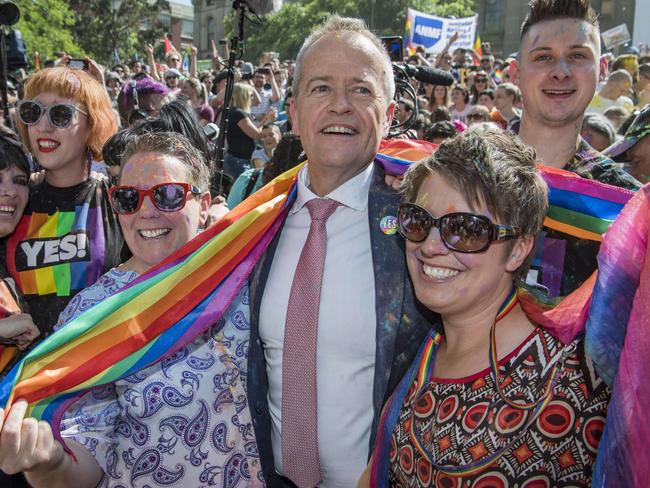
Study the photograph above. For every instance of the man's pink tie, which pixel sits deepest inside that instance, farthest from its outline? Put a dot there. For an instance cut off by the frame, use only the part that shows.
(300, 458)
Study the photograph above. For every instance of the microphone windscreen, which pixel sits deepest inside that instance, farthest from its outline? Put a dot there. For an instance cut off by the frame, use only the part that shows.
(434, 76)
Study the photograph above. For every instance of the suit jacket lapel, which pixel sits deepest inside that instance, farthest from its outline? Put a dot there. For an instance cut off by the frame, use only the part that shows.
(389, 269)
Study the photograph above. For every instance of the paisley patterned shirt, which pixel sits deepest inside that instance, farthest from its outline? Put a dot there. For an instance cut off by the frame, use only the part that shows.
(463, 421)
(182, 422)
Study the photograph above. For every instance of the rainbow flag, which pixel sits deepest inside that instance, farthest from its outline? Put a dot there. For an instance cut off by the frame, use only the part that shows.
(580, 207)
(146, 320)
(477, 43)
(577, 206)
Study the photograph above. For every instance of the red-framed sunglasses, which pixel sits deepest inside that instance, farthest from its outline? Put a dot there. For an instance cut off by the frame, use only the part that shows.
(166, 197)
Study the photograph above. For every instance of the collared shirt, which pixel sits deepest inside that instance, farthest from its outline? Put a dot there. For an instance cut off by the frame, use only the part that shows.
(346, 328)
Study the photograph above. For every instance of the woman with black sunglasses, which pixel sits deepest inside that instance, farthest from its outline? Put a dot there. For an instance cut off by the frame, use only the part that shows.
(69, 235)
(492, 399)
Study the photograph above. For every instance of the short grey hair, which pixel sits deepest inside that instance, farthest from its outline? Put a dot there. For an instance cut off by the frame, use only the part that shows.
(345, 25)
(176, 145)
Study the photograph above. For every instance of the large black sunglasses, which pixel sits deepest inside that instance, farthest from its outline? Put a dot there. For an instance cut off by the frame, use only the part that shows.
(460, 231)
(166, 197)
(60, 115)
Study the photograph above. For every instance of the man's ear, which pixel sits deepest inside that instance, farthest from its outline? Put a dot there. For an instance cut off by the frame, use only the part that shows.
(390, 114)
(603, 68)
(294, 120)
(513, 71)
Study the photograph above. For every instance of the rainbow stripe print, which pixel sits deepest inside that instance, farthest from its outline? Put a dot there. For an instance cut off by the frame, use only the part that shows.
(59, 252)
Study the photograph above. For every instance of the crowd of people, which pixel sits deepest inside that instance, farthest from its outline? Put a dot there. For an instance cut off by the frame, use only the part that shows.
(380, 339)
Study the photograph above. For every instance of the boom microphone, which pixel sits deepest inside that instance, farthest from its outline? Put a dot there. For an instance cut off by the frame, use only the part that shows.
(426, 74)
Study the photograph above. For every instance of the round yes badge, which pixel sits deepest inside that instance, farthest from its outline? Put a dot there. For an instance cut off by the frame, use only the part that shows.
(388, 225)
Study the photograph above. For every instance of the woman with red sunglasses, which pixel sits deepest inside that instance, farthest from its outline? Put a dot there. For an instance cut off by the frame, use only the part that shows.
(493, 399)
(183, 421)
(69, 235)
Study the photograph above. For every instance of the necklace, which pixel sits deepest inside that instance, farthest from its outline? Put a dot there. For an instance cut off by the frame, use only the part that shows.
(424, 375)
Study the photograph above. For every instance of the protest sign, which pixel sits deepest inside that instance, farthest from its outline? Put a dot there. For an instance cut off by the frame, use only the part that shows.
(616, 36)
(432, 32)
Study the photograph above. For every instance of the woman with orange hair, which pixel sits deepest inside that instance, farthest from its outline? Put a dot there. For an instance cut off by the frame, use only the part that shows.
(68, 236)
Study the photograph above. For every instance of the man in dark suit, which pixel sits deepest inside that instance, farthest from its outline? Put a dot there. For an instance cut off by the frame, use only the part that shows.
(334, 321)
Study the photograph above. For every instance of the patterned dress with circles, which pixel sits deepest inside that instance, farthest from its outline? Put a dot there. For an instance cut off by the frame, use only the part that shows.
(462, 421)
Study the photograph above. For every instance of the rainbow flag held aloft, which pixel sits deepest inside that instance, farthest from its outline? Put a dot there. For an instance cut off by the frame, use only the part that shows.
(477, 44)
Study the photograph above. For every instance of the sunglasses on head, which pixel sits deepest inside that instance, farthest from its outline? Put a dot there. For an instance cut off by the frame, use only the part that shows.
(166, 197)
(60, 115)
(459, 231)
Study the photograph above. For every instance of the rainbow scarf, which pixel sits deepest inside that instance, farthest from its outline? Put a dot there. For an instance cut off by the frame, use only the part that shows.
(577, 206)
(611, 309)
(146, 321)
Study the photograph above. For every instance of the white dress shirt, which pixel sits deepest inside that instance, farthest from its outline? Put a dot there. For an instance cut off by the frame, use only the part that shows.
(345, 357)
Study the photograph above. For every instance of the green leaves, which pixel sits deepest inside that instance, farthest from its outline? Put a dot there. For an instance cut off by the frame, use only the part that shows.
(46, 26)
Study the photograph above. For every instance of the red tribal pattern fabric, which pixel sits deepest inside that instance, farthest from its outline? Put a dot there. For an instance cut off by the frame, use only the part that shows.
(461, 421)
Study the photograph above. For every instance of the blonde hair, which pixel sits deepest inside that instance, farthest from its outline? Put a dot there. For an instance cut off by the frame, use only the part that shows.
(241, 96)
(84, 90)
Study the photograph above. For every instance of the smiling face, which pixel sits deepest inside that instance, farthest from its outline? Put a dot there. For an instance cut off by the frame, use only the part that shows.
(450, 282)
(341, 110)
(14, 194)
(153, 235)
(270, 137)
(481, 82)
(59, 150)
(558, 71)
